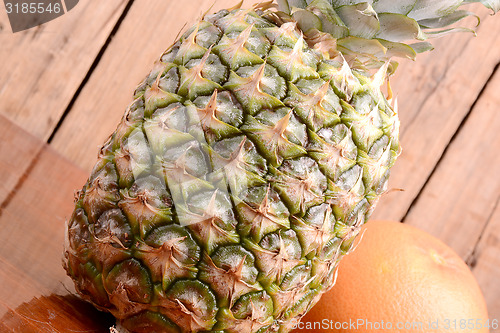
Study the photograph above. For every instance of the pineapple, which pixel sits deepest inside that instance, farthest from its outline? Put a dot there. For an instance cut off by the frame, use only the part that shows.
(240, 174)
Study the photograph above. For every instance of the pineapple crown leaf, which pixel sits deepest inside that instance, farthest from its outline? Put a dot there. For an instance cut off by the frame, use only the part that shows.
(374, 31)
(494, 5)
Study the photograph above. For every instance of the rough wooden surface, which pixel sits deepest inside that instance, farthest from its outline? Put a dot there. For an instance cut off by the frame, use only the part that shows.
(435, 94)
(14, 162)
(487, 263)
(33, 218)
(71, 80)
(42, 68)
(468, 174)
(35, 293)
(127, 60)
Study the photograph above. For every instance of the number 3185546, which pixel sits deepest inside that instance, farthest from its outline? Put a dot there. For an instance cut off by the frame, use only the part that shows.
(32, 8)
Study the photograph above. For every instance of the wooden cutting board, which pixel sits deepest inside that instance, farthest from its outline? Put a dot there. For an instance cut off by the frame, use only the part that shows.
(35, 201)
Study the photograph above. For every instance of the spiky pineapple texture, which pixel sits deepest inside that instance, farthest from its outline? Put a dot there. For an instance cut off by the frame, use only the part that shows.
(234, 183)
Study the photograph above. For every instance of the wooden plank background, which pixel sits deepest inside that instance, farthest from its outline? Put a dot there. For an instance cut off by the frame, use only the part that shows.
(67, 83)
(42, 68)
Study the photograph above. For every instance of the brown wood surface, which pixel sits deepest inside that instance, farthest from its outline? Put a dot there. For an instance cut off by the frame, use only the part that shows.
(435, 94)
(469, 175)
(35, 293)
(17, 153)
(128, 59)
(72, 72)
(458, 202)
(42, 68)
(487, 264)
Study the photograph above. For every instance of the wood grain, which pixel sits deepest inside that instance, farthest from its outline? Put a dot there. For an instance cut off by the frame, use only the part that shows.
(147, 30)
(435, 94)
(35, 293)
(31, 237)
(458, 201)
(487, 263)
(43, 67)
(56, 314)
(17, 152)
(461, 194)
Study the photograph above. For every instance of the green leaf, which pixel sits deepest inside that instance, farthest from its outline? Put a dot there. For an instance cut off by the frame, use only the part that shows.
(336, 31)
(306, 20)
(297, 3)
(338, 3)
(494, 5)
(330, 20)
(287, 5)
(398, 28)
(428, 9)
(444, 32)
(399, 50)
(361, 46)
(360, 19)
(396, 7)
(283, 6)
(446, 20)
(421, 47)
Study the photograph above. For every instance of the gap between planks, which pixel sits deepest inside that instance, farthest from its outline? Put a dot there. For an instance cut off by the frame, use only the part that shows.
(457, 200)
(91, 69)
(487, 263)
(149, 27)
(472, 259)
(43, 67)
(430, 121)
(450, 143)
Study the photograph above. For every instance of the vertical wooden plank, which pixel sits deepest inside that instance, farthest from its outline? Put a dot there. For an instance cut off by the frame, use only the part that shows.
(17, 151)
(43, 67)
(35, 293)
(486, 264)
(148, 29)
(459, 198)
(435, 94)
(33, 223)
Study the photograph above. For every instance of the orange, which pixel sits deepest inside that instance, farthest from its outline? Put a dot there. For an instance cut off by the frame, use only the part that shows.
(400, 279)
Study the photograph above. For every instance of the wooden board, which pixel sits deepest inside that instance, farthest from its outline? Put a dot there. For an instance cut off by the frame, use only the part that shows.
(33, 220)
(43, 67)
(487, 262)
(35, 293)
(149, 28)
(459, 198)
(435, 94)
(17, 153)
(55, 313)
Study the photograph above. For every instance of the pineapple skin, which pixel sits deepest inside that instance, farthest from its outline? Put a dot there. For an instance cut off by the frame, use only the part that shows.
(235, 182)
